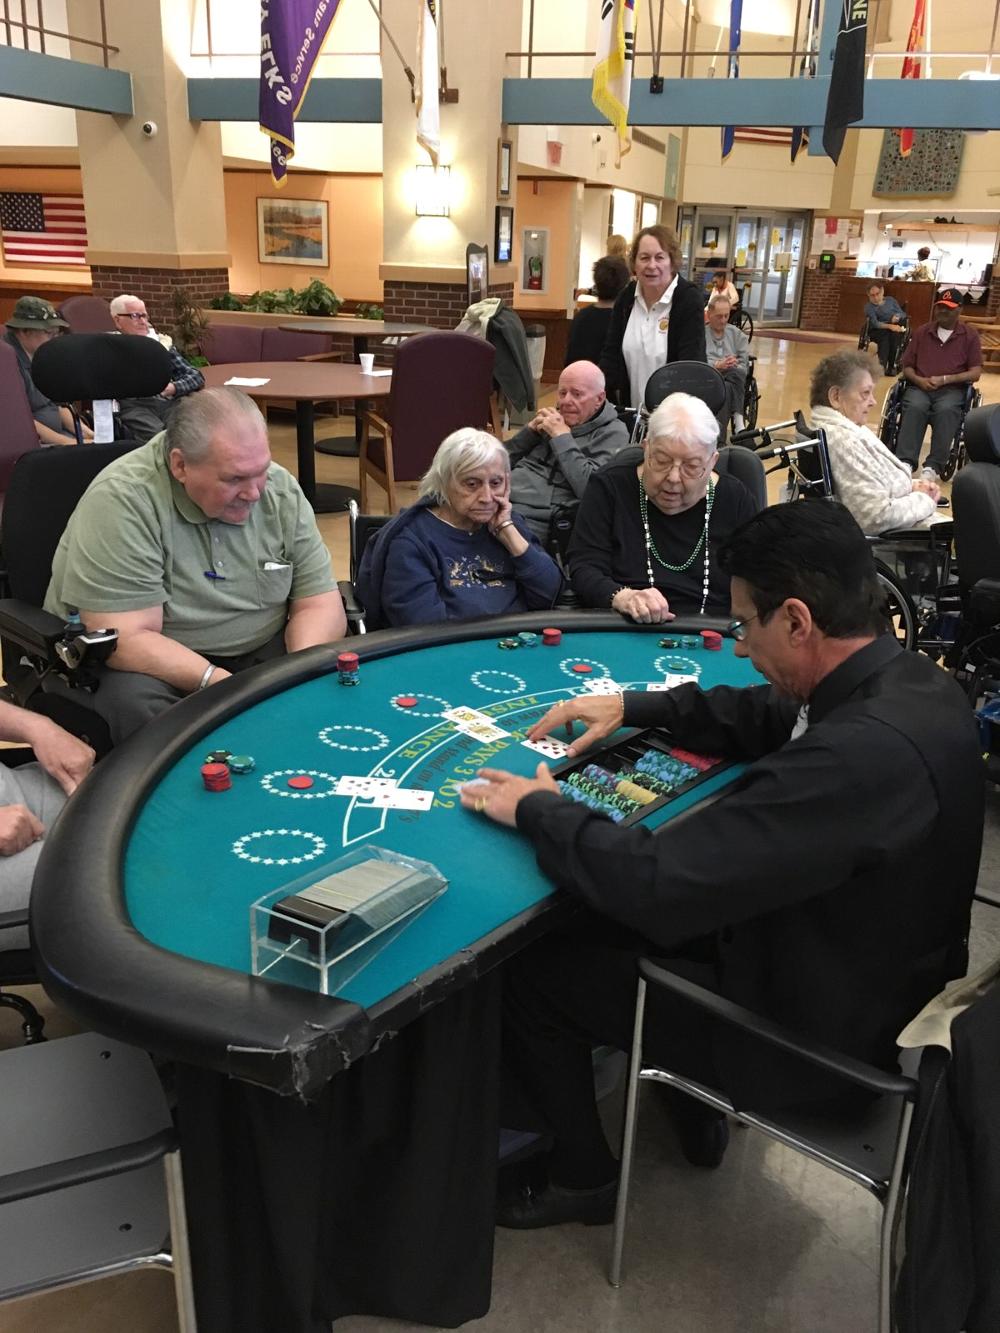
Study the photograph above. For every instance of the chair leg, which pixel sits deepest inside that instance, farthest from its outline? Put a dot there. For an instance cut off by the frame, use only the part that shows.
(390, 476)
(32, 1023)
(183, 1285)
(891, 1209)
(628, 1139)
(363, 464)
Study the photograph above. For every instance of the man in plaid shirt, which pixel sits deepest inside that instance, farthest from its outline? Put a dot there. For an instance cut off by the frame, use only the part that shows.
(142, 418)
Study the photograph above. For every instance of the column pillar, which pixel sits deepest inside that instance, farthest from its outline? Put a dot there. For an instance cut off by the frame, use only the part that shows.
(423, 259)
(156, 218)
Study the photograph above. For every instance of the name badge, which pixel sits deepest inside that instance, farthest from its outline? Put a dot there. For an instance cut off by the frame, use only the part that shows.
(664, 325)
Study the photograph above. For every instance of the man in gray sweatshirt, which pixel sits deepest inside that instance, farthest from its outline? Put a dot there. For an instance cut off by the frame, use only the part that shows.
(554, 456)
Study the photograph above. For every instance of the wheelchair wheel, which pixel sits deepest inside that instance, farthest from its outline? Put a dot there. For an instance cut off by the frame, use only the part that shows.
(751, 404)
(746, 324)
(900, 611)
(888, 427)
(864, 338)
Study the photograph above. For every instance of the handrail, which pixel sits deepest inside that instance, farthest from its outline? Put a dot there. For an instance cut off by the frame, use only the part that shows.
(11, 22)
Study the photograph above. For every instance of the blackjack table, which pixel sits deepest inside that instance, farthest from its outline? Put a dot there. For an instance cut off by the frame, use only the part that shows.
(339, 1149)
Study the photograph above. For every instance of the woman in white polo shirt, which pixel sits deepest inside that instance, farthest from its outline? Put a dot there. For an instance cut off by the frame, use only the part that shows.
(658, 318)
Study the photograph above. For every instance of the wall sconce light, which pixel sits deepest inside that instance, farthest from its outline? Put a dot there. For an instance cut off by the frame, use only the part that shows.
(433, 190)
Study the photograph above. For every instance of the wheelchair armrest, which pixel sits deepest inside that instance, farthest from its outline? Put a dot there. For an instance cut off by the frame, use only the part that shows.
(353, 609)
(943, 530)
(11, 920)
(87, 1167)
(30, 627)
(815, 1053)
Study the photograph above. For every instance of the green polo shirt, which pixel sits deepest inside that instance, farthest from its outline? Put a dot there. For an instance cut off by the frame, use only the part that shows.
(137, 540)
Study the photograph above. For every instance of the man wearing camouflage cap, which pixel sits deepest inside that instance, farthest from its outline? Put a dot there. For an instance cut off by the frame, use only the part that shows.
(34, 322)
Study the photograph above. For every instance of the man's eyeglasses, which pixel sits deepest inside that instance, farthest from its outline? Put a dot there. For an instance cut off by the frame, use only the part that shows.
(133, 315)
(738, 628)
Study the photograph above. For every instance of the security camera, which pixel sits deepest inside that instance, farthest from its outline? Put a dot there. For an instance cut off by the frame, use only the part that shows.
(149, 128)
(597, 138)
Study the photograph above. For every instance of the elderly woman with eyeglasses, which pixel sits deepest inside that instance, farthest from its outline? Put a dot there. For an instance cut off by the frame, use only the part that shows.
(460, 551)
(650, 522)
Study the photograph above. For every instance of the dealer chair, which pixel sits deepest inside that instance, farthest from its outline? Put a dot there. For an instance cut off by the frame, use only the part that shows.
(869, 1148)
(17, 426)
(87, 314)
(87, 367)
(440, 382)
(360, 528)
(90, 1172)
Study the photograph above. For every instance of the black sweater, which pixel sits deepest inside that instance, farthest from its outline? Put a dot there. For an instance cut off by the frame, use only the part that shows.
(685, 336)
(608, 548)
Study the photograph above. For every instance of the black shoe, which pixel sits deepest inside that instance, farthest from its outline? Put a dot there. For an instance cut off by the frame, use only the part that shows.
(703, 1133)
(528, 1208)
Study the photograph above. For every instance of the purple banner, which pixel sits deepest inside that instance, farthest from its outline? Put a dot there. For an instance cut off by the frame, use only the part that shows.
(292, 33)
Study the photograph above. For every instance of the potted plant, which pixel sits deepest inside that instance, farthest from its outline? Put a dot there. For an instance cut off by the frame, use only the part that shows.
(316, 299)
(189, 327)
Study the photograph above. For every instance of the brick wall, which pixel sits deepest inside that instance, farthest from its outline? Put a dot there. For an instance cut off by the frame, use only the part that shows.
(993, 299)
(820, 299)
(156, 286)
(438, 304)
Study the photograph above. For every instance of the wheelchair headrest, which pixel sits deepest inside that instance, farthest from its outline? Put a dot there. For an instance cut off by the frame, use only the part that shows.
(693, 377)
(982, 434)
(100, 365)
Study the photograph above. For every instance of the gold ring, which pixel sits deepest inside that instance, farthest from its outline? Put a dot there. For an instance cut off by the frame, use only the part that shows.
(480, 805)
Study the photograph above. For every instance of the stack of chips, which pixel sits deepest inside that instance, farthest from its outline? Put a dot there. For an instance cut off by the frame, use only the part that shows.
(712, 640)
(528, 640)
(667, 768)
(508, 643)
(551, 638)
(218, 757)
(241, 763)
(216, 777)
(347, 668)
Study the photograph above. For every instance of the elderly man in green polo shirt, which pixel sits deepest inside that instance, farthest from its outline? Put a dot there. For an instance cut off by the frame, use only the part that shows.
(202, 553)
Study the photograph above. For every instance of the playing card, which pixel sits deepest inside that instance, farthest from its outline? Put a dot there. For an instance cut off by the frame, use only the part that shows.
(401, 798)
(363, 786)
(602, 685)
(484, 731)
(549, 747)
(669, 682)
(465, 716)
(472, 723)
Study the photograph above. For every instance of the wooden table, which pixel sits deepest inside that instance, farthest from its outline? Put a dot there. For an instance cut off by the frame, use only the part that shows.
(305, 383)
(360, 330)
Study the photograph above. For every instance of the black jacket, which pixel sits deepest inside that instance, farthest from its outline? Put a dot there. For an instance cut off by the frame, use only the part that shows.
(685, 336)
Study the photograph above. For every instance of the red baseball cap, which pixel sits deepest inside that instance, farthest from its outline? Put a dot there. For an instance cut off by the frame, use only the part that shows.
(949, 296)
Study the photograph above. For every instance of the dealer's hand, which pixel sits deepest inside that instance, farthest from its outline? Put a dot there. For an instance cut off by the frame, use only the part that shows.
(497, 793)
(602, 714)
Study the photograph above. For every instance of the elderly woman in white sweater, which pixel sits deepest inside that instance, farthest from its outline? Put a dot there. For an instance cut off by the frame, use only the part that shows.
(871, 481)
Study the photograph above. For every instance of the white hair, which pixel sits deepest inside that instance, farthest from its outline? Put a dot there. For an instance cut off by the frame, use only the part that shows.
(717, 297)
(458, 454)
(686, 419)
(119, 303)
(193, 423)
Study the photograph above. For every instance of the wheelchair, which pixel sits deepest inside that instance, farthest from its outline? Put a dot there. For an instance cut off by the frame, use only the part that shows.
(700, 380)
(865, 340)
(914, 566)
(892, 414)
(751, 397)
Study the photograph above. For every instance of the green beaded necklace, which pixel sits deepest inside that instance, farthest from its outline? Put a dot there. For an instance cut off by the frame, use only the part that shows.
(701, 544)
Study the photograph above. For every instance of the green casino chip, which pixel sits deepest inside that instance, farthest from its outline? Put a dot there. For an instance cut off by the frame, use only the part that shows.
(241, 763)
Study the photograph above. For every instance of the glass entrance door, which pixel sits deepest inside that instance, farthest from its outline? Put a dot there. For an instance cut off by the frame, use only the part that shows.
(768, 261)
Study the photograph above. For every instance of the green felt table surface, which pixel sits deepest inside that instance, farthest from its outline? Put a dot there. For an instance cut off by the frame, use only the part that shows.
(196, 860)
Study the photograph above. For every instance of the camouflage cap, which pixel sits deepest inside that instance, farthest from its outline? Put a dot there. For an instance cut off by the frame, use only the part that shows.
(31, 312)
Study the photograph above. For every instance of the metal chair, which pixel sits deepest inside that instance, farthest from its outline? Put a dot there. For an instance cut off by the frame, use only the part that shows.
(441, 382)
(90, 1173)
(868, 1148)
(360, 528)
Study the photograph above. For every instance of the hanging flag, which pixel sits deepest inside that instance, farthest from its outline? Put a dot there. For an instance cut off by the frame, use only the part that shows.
(845, 103)
(612, 84)
(292, 33)
(775, 135)
(43, 228)
(428, 80)
(735, 36)
(807, 70)
(911, 67)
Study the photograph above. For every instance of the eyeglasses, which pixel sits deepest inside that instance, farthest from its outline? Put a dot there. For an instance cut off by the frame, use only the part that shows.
(133, 315)
(738, 628)
(689, 468)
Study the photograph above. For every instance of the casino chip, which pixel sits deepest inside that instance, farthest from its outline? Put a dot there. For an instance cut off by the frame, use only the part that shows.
(241, 763)
(300, 782)
(406, 700)
(216, 777)
(551, 638)
(582, 669)
(218, 757)
(712, 640)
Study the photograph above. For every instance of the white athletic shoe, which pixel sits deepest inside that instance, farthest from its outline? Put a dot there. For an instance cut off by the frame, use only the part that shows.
(928, 474)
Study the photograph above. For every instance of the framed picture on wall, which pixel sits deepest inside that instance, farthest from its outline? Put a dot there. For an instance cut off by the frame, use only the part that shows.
(477, 273)
(503, 169)
(503, 235)
(709, 236)
(293, 231)
(534, 259)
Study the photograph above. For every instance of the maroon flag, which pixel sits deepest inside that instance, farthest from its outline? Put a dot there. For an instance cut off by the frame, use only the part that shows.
(292, 33)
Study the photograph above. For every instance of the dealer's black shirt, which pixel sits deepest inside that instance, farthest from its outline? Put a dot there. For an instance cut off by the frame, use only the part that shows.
(838, 871)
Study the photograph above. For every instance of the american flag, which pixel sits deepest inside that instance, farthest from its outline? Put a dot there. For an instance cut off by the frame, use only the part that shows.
(43, 228)
(763, 134)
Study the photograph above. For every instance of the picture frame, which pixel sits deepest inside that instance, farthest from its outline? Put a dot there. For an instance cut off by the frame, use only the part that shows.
(503, 235)
(293, 231)
(709, 236)
(504, 155)
(477, 273)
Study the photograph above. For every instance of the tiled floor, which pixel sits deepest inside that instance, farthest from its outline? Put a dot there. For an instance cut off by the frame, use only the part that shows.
(769, 1243)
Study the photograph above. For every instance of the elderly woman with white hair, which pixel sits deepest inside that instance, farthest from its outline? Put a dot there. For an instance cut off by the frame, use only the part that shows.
(460, 551)
(650, 522)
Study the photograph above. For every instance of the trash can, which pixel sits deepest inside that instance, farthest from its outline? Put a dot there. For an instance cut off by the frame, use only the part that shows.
(535, 335)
